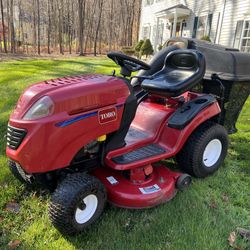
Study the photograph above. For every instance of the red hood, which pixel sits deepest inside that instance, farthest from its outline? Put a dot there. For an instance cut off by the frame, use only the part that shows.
(74, 93)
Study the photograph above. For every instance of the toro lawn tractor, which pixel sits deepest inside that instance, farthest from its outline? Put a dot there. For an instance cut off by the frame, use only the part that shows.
(98, 137)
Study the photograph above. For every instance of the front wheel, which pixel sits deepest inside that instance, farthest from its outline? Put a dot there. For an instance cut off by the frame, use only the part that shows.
(18, 173)
(204, 151)
(77, 202)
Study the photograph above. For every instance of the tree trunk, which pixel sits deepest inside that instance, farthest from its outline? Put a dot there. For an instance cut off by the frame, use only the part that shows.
(111, 24)
(13, 43)
(98, 25)
(38, 28)
(60, 29)
(8, 25)
(138, 21)
(3, 25)
(81, 8)
(34, 25)
(21, 31)
(49, 27)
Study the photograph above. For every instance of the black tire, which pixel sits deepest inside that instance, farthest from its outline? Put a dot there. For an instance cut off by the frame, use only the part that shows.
(68, 197)
(183, 182)
(16, 171)
(190, 158)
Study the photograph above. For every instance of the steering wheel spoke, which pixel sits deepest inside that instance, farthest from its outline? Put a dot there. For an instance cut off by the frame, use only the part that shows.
(128, 64)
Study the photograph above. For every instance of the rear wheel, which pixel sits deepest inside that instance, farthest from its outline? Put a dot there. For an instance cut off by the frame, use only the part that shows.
(204, 151)
(77, 202)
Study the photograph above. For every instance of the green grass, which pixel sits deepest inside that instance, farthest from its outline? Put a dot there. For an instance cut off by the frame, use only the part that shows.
(200, 218)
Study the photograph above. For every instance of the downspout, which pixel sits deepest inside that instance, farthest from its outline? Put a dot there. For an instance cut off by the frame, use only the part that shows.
(222, 17)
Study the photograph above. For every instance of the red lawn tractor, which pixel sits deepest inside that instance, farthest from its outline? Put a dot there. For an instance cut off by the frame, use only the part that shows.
(96, 138)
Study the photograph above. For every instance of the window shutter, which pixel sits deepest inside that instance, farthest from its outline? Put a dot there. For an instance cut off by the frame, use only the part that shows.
(195, 27)
(237, 34)
(209, 23)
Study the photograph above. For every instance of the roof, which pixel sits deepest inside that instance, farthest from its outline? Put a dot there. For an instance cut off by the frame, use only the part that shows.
(182, 9)
(178, 6)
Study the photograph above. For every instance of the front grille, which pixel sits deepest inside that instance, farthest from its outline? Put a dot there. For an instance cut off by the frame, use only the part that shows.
(15, 136)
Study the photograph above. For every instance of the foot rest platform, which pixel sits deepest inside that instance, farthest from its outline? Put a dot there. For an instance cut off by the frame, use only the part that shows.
(139, 154)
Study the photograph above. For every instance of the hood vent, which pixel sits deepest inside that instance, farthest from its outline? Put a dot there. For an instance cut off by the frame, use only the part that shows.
(72, 79)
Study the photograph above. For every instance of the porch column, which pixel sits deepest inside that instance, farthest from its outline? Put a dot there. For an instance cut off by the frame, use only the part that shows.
(157, 34)
(175, 23)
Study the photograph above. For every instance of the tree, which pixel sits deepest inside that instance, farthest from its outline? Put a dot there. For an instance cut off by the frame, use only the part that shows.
(38, 28)
(81, 10)
(12, 28)
(3, 25)
(60, 28)
(98, 25)
(70, 25)
(34, 24)
(147, 48)
(49, 24)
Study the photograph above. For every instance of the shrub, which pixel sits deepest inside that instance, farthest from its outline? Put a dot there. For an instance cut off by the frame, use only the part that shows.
(128, 51)
(138, 48)
(206, 38)
(146, 48)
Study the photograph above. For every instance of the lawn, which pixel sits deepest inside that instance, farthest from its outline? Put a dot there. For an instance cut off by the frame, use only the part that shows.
(200, 218)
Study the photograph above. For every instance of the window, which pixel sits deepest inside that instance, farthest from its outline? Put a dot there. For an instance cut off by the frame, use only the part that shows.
(245, 42)
(146, 32)
(202, 26)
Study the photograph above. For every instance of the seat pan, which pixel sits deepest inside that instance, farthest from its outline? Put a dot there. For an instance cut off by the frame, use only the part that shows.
(183, 69)
(170, 84)
(172, 78)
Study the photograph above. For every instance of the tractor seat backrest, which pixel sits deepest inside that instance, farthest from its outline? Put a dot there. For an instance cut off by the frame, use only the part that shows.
(182, 70)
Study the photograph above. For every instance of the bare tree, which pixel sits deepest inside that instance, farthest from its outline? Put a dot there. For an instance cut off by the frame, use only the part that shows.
(13, 41)
(49, 25)
(3, 26)
(38, 28)
(84, 26)
(81, 10)
(34, 25)
(100, 5)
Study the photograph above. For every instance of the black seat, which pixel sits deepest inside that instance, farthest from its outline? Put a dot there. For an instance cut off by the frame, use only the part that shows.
(182, 70)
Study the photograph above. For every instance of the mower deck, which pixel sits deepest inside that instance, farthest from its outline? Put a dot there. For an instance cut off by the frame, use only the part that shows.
(157, 188)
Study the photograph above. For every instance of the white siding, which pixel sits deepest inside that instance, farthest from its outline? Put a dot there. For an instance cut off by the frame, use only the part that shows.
(221, 32)
(148, 16)
(201, 8)
(234, 11)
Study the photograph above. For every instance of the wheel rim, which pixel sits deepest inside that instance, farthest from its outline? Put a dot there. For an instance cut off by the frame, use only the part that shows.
(85, 214)
(212, 153)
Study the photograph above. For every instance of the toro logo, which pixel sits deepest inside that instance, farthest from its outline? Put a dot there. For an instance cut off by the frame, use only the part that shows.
(107, 115)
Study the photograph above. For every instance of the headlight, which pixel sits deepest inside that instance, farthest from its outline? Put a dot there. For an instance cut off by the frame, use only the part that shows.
(42, 108)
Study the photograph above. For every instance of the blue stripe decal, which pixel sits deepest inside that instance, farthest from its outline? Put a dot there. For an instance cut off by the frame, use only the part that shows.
(119, 106)
(76, 119)
(80, 117)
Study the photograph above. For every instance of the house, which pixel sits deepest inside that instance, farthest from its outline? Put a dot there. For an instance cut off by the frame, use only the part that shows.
(226, 22)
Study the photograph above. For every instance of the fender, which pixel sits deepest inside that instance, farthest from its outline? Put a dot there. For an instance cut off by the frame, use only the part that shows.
(172, 144)
(179, 137)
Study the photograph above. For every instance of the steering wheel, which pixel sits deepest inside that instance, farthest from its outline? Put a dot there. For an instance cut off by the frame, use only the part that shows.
(128, 64)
